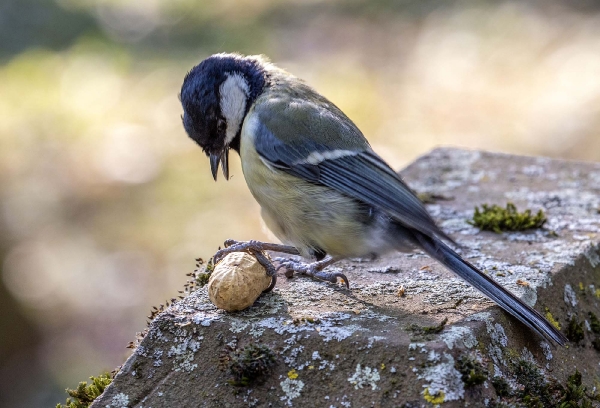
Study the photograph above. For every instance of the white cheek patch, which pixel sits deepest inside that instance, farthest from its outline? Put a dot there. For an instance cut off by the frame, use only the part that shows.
(317, 157)
(234, 93)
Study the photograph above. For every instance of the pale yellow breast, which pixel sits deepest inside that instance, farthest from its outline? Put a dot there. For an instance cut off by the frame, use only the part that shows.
(300, 213)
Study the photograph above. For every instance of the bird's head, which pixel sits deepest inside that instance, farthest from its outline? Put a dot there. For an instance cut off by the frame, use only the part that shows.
(216, 96)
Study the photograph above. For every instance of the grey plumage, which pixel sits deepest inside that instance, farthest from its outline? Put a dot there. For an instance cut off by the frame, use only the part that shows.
(321, 187)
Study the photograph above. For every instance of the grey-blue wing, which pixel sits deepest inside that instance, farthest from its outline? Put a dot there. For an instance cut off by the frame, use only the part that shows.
(360, 174)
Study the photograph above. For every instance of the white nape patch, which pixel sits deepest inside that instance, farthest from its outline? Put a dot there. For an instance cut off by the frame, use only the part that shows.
(234, 93)
(317, 157)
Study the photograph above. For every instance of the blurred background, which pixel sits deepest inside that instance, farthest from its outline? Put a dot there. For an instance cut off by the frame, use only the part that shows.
(105, 202)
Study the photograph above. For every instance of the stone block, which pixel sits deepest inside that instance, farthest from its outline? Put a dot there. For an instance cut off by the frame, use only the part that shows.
(408, 332)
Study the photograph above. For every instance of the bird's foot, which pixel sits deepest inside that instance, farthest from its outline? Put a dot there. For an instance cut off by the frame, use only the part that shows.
(248, 246)
(314, 269)
(257, 249)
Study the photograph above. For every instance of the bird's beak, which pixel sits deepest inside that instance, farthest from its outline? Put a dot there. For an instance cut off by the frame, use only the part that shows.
(214, 164)
(223, 158)
(225, 163)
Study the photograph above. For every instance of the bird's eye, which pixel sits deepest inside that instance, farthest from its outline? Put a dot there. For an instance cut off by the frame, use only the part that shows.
(221, 126)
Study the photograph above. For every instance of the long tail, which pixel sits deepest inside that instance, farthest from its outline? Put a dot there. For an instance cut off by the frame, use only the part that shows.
(506, 300)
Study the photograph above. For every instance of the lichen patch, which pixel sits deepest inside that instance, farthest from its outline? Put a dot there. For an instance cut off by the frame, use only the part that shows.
(291, 388)
(444, 378)
(457, 335)
(570, 297)
(365, 377)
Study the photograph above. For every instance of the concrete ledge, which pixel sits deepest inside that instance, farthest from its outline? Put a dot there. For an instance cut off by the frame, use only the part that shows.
(382, 343)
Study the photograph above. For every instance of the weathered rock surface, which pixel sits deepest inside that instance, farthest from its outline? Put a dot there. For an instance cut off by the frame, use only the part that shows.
(374, 345)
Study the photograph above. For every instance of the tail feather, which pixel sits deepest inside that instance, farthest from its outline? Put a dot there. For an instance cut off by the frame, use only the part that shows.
(505, 299)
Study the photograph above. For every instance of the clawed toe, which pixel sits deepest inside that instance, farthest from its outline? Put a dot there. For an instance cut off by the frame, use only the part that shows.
(272, 285)
(291, 265)
(231, 246)
(314, 270)
(265, 261)
(332, 277)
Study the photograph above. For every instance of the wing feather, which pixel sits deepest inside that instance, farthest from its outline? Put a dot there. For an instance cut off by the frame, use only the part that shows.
(360, 174)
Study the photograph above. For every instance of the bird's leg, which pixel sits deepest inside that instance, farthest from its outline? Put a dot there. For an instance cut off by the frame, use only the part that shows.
(268, 265)
(257, 249)
(246, 246)
(314, 270)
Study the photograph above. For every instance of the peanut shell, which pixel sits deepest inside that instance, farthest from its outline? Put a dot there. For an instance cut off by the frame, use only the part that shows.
(237, 281)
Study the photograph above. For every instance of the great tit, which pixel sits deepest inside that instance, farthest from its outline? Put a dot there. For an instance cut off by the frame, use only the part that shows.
(321, 188)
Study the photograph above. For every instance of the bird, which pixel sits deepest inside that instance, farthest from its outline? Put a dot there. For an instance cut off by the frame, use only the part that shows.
(322, 189)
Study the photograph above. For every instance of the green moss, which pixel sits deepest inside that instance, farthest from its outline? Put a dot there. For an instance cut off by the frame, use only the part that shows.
(574, 330)
(594, 323)
(472, 371)
(434, 399)
(248, 364)
(299, 321)
(551, 319)
(595, 326)
(498, 219)
(136, 369)
(574, 395)
(501, 386)
(426, 332)
(512, 353)
(84, 394)
(435, 329)
(203, 277)
(536, 391)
